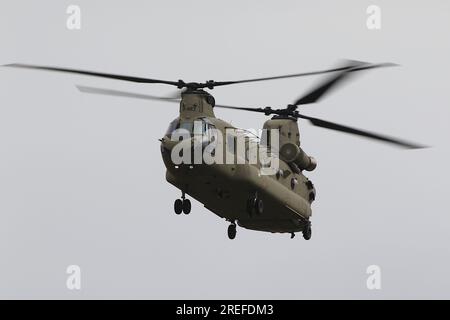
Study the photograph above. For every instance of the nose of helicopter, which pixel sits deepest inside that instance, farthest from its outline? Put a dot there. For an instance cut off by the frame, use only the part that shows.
(188, 151)
(178, 152)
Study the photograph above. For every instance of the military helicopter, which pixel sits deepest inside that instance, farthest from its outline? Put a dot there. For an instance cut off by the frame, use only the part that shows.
(279, 202)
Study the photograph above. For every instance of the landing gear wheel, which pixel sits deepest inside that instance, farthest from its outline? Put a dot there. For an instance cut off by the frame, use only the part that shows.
(186, 206)
(259, 206)
(307, 232)
(232, 231)
(251, 205)
(292, 235)
(178, 206)
(255, 206)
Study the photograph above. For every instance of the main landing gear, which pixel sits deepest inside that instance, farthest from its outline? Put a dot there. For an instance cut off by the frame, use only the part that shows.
(232, 231)
(255, 205)
(182, 205)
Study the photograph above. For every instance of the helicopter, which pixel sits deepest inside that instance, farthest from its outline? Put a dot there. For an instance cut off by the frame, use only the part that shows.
(279, 201)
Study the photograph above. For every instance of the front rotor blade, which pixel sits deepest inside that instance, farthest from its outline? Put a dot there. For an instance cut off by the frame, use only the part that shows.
(338, 127)
(95, 74)
(331, 83)
(295, 75)
(117, 93)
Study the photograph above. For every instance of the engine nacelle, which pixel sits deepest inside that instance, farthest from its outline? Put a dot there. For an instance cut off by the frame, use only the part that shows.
(290, 152)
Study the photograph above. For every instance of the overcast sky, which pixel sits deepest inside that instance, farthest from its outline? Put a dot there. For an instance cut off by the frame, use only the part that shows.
(82, 181)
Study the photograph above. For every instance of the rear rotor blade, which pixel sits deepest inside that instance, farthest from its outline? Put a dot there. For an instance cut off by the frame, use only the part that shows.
(341, 128)
(239, 108)
(331, 125)
(331, 83)
(318, 92)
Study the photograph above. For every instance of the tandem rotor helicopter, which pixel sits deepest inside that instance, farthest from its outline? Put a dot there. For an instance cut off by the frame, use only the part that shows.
(277, 203)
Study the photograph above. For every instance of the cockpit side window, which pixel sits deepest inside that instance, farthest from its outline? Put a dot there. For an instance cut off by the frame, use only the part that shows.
(265, 138)
(172, 126)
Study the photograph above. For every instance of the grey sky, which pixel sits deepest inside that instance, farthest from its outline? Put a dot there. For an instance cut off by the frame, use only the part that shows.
(82, 181)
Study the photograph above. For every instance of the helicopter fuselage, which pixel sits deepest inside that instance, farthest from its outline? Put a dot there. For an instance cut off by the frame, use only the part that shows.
(230, 189)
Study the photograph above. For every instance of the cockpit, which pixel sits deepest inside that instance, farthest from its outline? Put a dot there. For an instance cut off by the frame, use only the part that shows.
(200, 126)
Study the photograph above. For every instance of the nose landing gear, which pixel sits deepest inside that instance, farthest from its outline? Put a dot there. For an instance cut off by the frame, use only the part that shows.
(307, 231)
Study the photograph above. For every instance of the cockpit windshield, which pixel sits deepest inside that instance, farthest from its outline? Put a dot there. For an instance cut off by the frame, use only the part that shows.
(200, 126)
(172, 126)
(186, 126)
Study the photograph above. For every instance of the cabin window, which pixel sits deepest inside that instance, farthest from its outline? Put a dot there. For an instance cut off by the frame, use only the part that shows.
(294, 182)
(265, 138)
(231, 143)
(212, 132)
